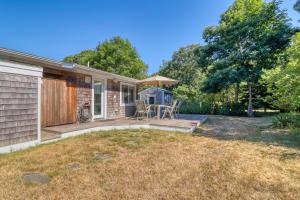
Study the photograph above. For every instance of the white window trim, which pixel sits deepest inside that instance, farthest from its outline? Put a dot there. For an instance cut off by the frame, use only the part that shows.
(121, 91)
(151, 95)
(103, 114)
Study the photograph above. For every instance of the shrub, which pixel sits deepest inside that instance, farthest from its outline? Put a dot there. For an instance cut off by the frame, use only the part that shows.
(209, 108)
(196, 108)
(291, 120)
(232, 109)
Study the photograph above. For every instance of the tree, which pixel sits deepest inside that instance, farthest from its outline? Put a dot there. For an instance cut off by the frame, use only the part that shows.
(283, 81)
(85, 57)
(119, 56)
(116, 55)
(183, 67)
(297, 6)
(248, 39)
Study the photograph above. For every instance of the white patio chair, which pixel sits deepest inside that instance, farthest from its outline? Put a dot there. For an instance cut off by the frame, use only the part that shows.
(142, 109)
(177, 108)
(170, 110)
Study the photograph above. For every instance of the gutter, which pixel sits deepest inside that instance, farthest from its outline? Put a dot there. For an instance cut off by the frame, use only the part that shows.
(63, 65)
(92, 71)
(11, 52)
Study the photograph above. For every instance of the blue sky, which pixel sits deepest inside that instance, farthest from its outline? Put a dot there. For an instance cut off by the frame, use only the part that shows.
(157, 28)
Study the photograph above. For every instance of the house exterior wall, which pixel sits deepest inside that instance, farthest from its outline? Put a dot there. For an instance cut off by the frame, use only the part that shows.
(83, 88)
(18, 110)
(113, 99)
(84, 91)
(152, 91)
(158, 93)
(19, 104)
(114, 107)
(127, 111)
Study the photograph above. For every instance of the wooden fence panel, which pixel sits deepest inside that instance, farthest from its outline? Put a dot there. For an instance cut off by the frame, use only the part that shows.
(59, 99)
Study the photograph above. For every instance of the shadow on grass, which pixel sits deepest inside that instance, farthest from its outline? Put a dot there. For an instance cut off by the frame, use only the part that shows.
(283, 138)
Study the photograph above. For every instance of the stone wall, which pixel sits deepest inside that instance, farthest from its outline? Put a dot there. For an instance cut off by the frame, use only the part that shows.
(18, 109)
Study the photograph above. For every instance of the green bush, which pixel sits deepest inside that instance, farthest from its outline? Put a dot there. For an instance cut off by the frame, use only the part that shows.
(291, 120)
(232, 110)
(224, 110)
(196, 108)
(207, 108)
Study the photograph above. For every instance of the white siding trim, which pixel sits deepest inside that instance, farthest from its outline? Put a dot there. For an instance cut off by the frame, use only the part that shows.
(25, 70)
(102, 96)
(105, 98)
(22, 69)
(17, 147)
(39, 102)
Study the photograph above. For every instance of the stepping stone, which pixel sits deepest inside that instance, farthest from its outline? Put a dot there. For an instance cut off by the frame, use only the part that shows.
(102, 156)
(132, 143)
(135, 133)
(74, 165)
(35, 178)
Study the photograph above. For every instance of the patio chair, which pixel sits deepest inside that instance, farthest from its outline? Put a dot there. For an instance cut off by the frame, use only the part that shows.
(142, 109)
(177, 108)
(170, 110)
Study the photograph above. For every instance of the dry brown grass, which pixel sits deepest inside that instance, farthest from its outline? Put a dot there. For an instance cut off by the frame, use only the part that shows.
(156, 165)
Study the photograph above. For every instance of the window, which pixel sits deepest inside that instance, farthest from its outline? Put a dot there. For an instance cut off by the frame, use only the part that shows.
(168, 98)
(128, 94)
(151, 99)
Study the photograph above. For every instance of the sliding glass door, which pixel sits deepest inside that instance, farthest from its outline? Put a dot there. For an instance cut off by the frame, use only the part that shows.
(98, 99)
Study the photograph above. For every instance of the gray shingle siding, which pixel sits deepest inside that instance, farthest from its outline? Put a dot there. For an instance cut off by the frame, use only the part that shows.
(18, 109)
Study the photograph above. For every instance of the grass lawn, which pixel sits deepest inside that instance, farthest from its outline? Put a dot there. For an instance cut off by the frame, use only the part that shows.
(227, 158)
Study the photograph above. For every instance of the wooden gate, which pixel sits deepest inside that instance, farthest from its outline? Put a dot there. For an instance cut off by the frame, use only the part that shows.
(59, 102)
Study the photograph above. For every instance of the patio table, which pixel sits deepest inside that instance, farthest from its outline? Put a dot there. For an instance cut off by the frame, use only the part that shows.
(158, 108)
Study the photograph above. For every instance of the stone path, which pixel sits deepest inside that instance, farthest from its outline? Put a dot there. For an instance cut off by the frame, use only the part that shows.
(35, 178)
(102, 156)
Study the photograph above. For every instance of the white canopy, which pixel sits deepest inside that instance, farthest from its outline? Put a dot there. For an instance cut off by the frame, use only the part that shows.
(158, 81)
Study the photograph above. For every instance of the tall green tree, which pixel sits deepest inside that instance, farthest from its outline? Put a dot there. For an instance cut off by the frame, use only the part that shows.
(284, 80)
(250, 35)
(183, 66)
(119, 56)
(116, 55)
(85, 57)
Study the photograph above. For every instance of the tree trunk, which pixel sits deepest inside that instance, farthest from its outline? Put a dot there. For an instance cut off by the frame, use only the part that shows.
(227, 99)
(236, 107)
(236, 94)
(250, 106)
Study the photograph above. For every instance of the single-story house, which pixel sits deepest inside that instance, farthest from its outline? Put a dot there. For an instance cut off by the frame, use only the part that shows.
(37, 92)
(156, 95)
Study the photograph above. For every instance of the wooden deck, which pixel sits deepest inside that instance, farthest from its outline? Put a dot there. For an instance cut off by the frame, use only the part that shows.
(184, 123)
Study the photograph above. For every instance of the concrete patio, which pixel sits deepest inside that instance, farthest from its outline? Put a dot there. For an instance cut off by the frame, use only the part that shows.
(183, 123)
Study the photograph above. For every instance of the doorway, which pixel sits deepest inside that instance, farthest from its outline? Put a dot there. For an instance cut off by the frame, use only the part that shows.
(59, 101)
(98, 99)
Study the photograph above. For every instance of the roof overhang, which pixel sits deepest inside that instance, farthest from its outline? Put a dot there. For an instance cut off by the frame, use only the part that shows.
(104, 74)
(31, 59)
